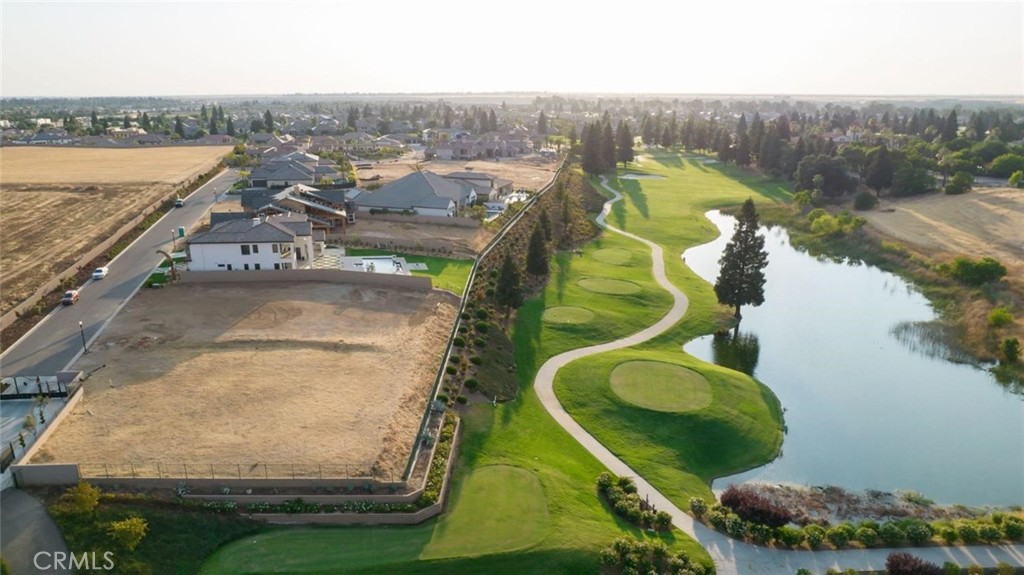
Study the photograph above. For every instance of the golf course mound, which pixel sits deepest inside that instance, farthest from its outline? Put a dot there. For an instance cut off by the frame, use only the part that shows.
(660, 386)
(614, 256)
(568, 314)
(608, 286)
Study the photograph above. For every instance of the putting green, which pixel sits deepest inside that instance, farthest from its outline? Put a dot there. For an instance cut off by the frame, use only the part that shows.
(614, 256)
(609, 286)
(499, 508)
(660, 386)
(568, 314)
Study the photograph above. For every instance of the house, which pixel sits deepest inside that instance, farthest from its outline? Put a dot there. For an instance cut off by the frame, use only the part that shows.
(51, 138)
(326, 209)
(146, 140)
(281, 175)
(216, 139)
(263, 243)
(486, 185)
(124, 133)
(358, 142)
(423, 193)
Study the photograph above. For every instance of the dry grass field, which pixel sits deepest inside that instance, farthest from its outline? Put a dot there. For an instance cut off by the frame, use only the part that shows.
(530, 172)
(56, 203)
(241, 375)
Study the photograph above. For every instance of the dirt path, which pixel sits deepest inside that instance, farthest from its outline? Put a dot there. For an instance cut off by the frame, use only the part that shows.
(731, 557)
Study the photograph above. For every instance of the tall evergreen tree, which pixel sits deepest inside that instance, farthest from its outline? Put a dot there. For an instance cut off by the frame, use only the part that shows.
(608, 156)
(203, 114)
(592, 162)
(647, 133)
(353, 115)
(213, 125)
(537, 253)
(880, 170)
(624, 144)
(743, 150)
(770, 155)
(268, 121)
(741, 279)
(949, 128)
(542, 124)
(146, 124)
(492, 121)
(230, 128)
(93, 120)
(126, 123)
(741, 127)
(724, 148)
(545, 224)
(508, 293)
(573, 136)
(179, 127)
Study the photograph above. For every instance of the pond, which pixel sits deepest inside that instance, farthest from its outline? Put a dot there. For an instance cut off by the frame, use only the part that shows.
(865, 407)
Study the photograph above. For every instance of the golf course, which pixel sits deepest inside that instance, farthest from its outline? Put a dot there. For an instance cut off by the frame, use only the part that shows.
(524, 496)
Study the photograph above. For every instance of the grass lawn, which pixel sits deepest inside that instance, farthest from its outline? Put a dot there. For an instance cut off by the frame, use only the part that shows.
(447, 274)
(660, 386)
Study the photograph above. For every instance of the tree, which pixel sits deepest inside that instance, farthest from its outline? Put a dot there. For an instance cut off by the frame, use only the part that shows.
(128, 533)
(542, 123)
(230, 129)
(492, 121)
(126, 123)
(880, 170)
(907, 564)
(911, 181)
(203, 114)
(146, 124)
(81, 499)
(949, 128)
(1005, 165)
(960, 183)
(624, 144)
(1017, 179)
(508, 292)
(835, 181)
(179, 127)
(741, 279)
(256, 126)
(608, 155)
(537, 253)
(545, 223)
(93, 119)
(592, 161)
(743, 150)
(268, 121)
(573, 136)
(213, 125)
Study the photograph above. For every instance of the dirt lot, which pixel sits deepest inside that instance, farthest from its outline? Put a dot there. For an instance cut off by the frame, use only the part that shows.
(243, 375)
(985, 222)
(530, 172)
(55, 203)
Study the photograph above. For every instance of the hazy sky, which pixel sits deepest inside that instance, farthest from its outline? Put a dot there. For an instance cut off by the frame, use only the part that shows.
(635, 46)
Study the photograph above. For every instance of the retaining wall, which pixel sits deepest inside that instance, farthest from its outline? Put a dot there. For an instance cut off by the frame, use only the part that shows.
(418, 283)
(436, 220)
(46, 474)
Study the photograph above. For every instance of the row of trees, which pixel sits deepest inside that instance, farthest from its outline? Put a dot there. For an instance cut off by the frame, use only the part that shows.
(603, 148)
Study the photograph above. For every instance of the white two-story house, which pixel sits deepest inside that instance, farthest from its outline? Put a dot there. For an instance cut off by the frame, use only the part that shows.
(273, 243)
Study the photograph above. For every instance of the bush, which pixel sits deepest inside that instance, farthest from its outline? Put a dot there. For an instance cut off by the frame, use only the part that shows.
(999, 317)
(463, 329)
(1004, 166)
(919, 533)
(815, 214)
(754, 508)
(967, 532)
(790, 536)
(949, 535)
(891, 533)
(662, 520)
(1010, 350)
(482, 326)
(128, 533)
(454, 359)
(461, 399)
(465, 315)
(1004, 568)
(864, 201)
(950, 568)
(482, 314)
(839, 535)
(814, 534)
(1017, 179)
(907, 564)
(80, 499)
(450, 369)
(989, 533)
(698, 507)
(476, 360)
(480, 342)
(976, 273)
(717, 519)
(960, 183)
(1013, 528)
(866, 535)
(471, 384)
(735, 526)
(459, 342)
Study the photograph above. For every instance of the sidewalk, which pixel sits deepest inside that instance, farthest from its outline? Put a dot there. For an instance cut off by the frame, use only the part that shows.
(25, 530)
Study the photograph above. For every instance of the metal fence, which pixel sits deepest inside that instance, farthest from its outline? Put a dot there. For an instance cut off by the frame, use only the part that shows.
(422, 433)
(199, 470)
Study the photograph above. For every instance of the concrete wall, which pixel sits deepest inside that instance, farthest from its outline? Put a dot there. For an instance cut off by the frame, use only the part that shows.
(395, 281)
(443, 221)
(46, 474)
(234, 484)
(11, 316)
(351, 518)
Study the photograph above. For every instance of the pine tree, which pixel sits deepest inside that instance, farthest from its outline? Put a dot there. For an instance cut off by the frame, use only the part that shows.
(93, 120)
(230, 129)
(126, 124)
(592, 162)
(537, 253)
(741, 279)
(268, 121)
(179, 128)
(146, 124)
(203, 114)
(573, 136)
(624, 144)
(492, 121)
(213, 125)
(880, 171)
(545, 224)
(508, 293)
(741, 127)
(542, 124)
(743, 150)
(949, 129)
(607, 147)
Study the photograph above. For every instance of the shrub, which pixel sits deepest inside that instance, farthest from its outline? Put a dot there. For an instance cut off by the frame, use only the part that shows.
(1004, 568)
(459, 342)
(891, 533)
(463, 329)
(815, 214)
(128, 533)
(759, 533)
(735, 526)
(482, 326)
(1013, 528)
(839, 535)
(864, 201)
(455, 359)
(976, 273)
(803, 571)
(442, 397)
(999, 317)
(472, 384)
(907, 564)
(1010, 350)
(476, 360)
(461, 399)
(717, 519)
(80, 499)
(826, 226)
(1017, 179)
(482, 314)
(866, 535)
(989, 533)
(754, 508)
(604, 481)
(967, 531)
(949, 534)
(450, 369)
(464, 315)
(1004, 166)
(950, 568)
(698, 507)
(790, 536)
(814, 534)
(960, 183)
(919, 533)
(480, 342)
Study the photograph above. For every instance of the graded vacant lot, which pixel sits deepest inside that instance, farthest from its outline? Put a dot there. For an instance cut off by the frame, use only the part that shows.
(530, 172)
(55, 203)
(984, 222)
(238, 376)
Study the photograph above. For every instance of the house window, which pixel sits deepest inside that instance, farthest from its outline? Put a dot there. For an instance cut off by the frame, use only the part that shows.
(257, 266)
(277, 266)
(245, 249)
(255, 249)
(246, 267)
(274, 248)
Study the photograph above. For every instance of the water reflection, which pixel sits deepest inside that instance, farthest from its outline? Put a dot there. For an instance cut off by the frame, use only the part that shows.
(736, 350)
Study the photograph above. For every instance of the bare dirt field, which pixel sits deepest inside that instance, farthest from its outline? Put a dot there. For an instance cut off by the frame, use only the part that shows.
(460, 240)
(241, 375)
(55, 203)
(985, 222)
(530, 172)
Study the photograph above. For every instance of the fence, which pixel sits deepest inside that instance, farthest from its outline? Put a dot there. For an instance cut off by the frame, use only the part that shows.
(12, 315)
(416, 219)
(422, 433)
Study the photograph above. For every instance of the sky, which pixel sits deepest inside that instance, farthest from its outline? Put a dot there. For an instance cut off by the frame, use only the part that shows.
(565, 46)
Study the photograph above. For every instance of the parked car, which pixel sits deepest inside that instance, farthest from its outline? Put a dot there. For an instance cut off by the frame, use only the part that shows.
(100, 273)
(70, 297)
(179, 203)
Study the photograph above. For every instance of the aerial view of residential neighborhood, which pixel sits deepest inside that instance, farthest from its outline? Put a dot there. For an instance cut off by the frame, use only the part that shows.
(512, 287)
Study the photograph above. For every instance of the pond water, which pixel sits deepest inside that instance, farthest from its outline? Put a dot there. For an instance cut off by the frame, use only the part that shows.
(866, 408)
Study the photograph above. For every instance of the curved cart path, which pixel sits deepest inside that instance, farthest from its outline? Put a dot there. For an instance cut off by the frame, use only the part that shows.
(731, 557)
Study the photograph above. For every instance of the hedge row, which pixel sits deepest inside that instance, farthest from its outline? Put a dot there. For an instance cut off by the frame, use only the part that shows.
(439, 465)
(629, 556)
(298, 505)
(623, 498)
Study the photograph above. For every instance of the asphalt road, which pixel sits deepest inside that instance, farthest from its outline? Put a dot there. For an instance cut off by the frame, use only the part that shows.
(57, 341)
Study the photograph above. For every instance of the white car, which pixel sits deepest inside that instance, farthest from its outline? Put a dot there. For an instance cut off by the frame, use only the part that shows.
(100, 273)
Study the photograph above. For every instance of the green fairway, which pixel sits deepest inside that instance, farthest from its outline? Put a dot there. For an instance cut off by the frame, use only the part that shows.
(517, 517)
(609, 286)
(568, 314)
(614, 256)
(447, 274)
(660, 386)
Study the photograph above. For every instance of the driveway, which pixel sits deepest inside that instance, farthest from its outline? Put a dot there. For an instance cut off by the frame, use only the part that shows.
(731, 557)
(25, 530)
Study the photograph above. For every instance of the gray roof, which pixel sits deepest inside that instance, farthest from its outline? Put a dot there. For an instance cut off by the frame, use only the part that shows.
(334, 196)
(256, 199)
(417, 190)
(471, 176)
(243, 231)
(221, 217)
